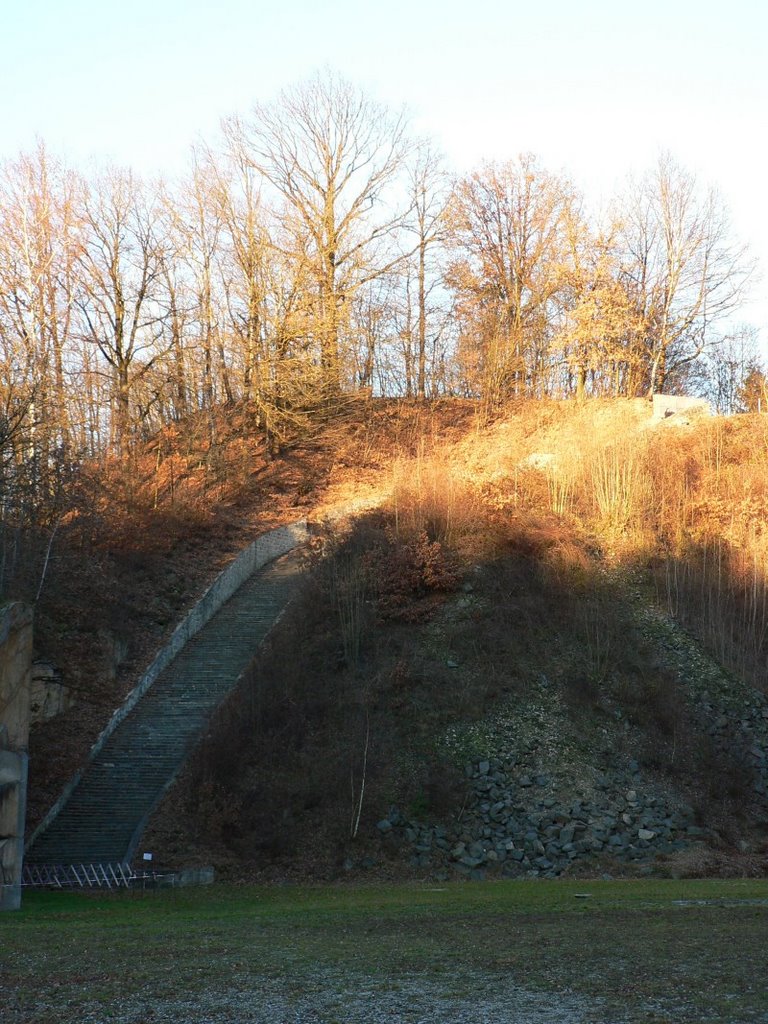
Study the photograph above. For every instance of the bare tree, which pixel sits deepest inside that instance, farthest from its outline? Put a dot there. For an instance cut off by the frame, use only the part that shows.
(682, 270)
(243, 258)
(429, 191)
(39, 240)
(332, 156)
(508, 236)
(179, 305)
(120, 270)
(200, 229)
(267, 295)
(727, 366)
(375, 312)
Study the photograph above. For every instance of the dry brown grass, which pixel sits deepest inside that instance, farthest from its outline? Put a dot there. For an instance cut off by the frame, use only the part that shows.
(433, 496)
(691, 500)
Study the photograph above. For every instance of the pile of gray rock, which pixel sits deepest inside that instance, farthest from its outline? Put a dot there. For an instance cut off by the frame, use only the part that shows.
(521, 823)
(545, 809)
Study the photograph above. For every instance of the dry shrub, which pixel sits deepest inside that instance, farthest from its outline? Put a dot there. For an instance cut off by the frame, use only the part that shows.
(710, 488)
(543, 592)
(599, 636)
(692, 501)
(348, 583)
(620, 486)
(590, 462)
(565, 555)
(720, 591)
(307, 735)
(375, 573)
(381, 431)
(432, 497)
(279, 746)
(722, 781)
(674, 740)
(132, 515)
(564, 482)
(408, 573)
(655, 703)
(675, 470)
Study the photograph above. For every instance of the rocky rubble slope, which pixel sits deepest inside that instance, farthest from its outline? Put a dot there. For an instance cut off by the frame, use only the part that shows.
(521, 821)
(556, 793)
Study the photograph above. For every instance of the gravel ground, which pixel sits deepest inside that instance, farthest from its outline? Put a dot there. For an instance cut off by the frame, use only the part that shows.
(331, 999)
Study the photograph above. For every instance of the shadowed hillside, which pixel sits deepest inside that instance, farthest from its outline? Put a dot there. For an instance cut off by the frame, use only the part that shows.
(483, 676)
(142, 538)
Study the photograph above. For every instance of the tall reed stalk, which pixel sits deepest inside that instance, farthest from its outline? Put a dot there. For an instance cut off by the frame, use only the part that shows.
(720, 591)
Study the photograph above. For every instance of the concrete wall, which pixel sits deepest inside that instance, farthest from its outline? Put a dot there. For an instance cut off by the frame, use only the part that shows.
(15, 666)
(263, 550)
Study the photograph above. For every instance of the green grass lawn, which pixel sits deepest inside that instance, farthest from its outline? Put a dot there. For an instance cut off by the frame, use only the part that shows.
(630, 951)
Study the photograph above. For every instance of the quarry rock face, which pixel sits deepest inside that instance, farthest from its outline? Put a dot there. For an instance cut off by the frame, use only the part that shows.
(48, 694)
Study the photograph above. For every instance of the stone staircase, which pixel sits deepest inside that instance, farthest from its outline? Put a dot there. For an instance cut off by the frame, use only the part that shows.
(106, 813)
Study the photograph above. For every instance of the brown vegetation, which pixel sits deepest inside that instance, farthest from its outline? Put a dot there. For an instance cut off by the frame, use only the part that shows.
(534, 524)
(144, 536)
(471, 585)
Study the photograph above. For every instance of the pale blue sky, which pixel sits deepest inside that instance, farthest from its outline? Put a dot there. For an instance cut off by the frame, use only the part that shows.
(596, 88)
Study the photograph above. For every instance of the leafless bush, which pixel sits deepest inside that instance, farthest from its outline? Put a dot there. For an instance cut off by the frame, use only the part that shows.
(432, 497)
(350, 588)
(721, 593)
(620, 485)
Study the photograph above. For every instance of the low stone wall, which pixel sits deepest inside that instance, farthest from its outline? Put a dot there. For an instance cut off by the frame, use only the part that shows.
(15, 665)
(264, 549)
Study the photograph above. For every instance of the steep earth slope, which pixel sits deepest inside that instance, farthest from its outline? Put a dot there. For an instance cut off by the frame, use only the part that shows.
(481, 678)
